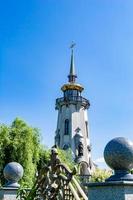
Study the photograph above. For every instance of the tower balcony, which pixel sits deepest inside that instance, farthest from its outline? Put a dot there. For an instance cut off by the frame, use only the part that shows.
(72, 100)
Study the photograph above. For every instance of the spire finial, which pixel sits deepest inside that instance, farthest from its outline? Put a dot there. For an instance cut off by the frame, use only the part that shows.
(72, 45)
(72, 75)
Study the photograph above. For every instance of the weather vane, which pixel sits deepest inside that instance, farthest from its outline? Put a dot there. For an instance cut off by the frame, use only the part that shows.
(72, 45)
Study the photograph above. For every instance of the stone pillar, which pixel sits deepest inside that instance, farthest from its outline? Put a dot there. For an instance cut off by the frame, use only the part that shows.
(12, 172)
(8, 193)
(118, 190)
(118, 154)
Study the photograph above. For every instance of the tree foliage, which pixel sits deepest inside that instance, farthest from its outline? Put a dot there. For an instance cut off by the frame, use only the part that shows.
(21, 143)
(99, 175)
(66, 158)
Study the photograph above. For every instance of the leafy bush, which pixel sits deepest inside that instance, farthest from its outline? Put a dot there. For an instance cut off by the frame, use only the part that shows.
(99, 175)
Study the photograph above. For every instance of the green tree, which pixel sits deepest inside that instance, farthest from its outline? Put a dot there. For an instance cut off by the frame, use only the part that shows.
(21, 143)
(99, 175)
(66, 158)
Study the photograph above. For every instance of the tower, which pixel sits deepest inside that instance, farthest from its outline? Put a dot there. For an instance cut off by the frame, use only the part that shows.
(72, 124)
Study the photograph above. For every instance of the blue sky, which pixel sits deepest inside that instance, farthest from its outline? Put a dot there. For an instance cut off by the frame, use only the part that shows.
(35, 36)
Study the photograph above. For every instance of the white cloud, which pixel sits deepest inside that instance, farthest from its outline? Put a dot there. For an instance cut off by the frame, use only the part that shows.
(100, 160)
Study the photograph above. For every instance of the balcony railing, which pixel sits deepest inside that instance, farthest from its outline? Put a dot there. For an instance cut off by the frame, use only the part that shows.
(72, 99)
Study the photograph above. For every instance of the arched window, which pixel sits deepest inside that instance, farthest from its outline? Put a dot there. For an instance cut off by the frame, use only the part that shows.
(66, 127)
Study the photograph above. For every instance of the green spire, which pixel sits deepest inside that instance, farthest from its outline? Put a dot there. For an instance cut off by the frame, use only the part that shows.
(72, 75)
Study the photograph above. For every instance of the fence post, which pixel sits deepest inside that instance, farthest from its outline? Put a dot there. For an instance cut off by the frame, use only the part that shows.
(12, 172)
(118, 154)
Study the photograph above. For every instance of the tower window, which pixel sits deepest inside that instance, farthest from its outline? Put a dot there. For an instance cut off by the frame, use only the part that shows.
(86, 124)
(66, 127)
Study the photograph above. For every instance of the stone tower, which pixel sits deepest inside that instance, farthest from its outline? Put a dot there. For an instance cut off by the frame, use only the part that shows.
(72, 124)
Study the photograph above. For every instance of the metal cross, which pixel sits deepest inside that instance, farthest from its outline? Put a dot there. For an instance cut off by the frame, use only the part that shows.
(72, 45)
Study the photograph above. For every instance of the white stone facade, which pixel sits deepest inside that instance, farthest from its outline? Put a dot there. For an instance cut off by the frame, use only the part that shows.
(77, 119)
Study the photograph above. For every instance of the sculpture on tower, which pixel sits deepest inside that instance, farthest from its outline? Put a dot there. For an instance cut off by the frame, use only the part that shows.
(72, 124)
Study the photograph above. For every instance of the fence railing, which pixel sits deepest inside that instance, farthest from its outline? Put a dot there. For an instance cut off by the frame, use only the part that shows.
(56, 182)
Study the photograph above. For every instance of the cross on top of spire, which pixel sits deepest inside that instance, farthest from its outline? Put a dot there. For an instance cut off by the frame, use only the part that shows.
(72, 75)
(72, 45)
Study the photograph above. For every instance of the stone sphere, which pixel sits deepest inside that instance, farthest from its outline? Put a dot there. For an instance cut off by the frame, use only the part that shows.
(118, 154)
(13, 171)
